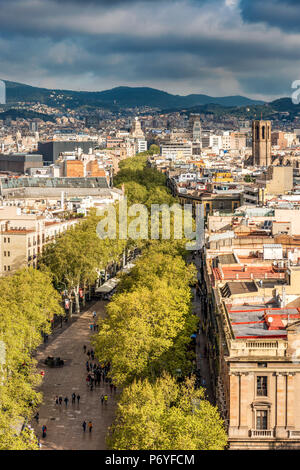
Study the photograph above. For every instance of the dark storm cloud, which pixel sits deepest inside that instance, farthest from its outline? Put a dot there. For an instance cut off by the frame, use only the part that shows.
(284, 14)
(179, 45)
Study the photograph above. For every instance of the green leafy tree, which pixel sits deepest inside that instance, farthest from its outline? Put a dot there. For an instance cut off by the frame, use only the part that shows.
(149, 322)
(166, 416)
(27, 306)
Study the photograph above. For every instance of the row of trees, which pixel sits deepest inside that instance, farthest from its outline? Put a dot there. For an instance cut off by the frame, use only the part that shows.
(149, 322)
(78, 256)
(146, 338)
(28, 303)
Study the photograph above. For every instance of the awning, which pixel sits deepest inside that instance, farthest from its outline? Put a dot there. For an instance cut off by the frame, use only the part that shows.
(108, 286)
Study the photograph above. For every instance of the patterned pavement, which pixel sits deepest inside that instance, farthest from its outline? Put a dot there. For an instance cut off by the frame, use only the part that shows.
(64, 423)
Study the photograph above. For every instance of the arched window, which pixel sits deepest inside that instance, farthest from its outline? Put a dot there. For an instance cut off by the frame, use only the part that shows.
(257, 132)
(263, 132)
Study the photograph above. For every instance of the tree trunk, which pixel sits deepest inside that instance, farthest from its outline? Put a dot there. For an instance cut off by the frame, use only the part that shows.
(76, 293)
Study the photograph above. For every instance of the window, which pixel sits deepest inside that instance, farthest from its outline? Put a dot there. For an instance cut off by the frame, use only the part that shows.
(8, 240)
(8, 268)
(4, 239)
(257, 132)
(261, 420)
(262, 386)
(8, 253)
(4, 268)
(262, 364)
(4, 253)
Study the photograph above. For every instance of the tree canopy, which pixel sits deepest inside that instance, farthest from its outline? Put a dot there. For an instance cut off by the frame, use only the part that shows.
(27, 305)
(165, 415)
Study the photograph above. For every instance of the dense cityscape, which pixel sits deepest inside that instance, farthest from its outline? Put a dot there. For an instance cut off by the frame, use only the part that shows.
(149, 259)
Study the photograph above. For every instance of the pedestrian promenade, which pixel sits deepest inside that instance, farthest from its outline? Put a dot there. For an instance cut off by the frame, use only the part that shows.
(64, 423)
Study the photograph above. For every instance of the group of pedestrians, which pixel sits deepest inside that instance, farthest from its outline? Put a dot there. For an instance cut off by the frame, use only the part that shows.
(89, 425)
(59, 399)
(96, 373)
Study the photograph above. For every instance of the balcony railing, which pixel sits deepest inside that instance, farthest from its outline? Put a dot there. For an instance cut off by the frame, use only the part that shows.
(267, 434)
(294, 434)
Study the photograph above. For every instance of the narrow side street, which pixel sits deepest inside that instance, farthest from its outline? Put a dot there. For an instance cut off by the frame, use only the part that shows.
(202, 360)
(64, 423)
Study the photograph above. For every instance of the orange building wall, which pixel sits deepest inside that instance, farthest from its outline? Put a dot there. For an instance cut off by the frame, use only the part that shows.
(92, 169)
(74, 169)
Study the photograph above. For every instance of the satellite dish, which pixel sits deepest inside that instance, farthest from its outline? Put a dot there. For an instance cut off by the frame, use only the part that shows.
(270, 319)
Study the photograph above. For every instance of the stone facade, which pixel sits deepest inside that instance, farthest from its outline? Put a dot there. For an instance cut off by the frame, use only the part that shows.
(261, 143)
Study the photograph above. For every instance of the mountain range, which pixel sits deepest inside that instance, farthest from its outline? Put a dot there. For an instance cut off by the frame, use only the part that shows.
(117, 98)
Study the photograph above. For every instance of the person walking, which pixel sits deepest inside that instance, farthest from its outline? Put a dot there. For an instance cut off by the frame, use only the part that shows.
(102, 399)
(56, 400)
(84, 348)
(73, 397)
(66, 400)
(90, 426)
(94, 314)
(84, 426)
(44, 431)
(37, 416)
(105, 399)
(60, 400)
(111, 387)
(78, 399)
(89, 353)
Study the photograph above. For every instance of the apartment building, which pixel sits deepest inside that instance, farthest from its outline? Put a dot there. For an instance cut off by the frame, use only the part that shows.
(23, 237)
(255, 353)
(174, 150)
(251, 316)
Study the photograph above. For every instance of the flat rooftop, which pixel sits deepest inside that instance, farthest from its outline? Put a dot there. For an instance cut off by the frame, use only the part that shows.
(227, 258)
(236, 288)
(256, 321)
(228, 273)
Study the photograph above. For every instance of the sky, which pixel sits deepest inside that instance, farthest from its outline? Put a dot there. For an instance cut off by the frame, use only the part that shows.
(215, 47)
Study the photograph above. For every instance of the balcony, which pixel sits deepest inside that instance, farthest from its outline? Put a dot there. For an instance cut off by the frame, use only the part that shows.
(263, 348)
(294, 434)
(261, 434)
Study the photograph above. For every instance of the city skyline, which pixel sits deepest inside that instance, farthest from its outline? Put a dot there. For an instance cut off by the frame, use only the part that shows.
(218, 48)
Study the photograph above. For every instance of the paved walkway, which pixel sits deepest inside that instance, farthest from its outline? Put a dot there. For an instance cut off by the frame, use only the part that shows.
(64, 424)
